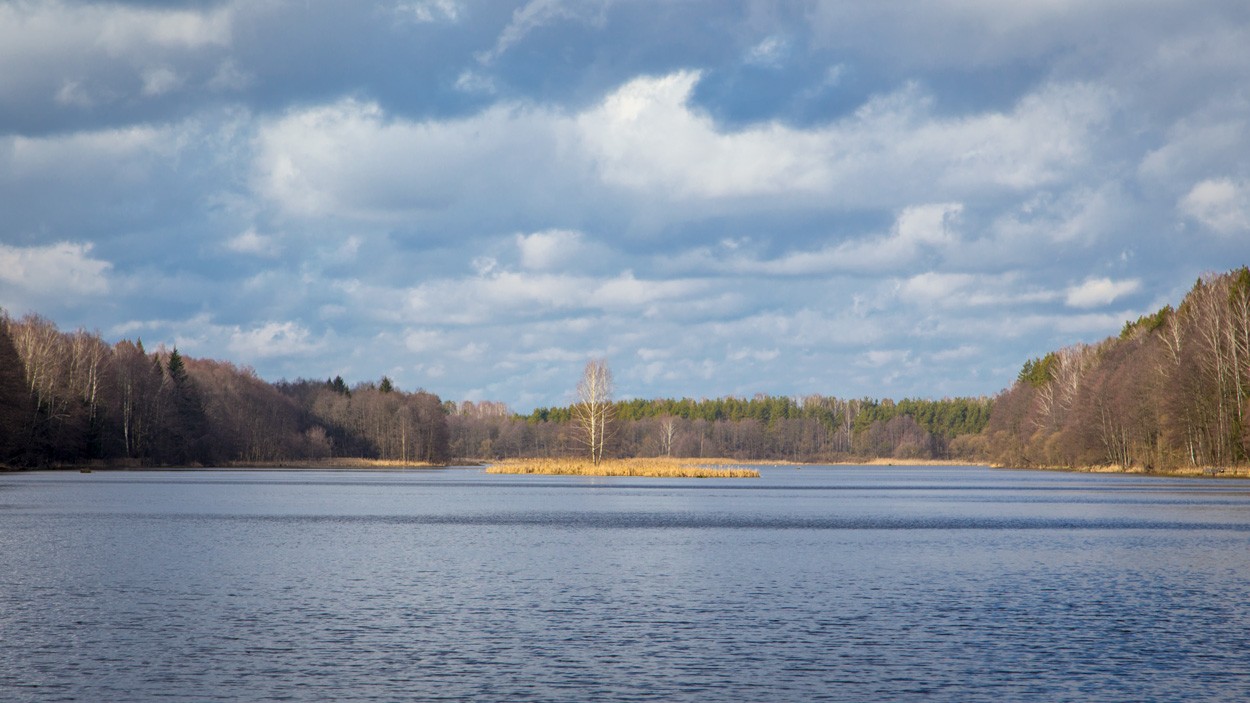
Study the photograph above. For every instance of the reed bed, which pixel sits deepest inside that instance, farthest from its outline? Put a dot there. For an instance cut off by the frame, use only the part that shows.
(659, 467)
(335, 463)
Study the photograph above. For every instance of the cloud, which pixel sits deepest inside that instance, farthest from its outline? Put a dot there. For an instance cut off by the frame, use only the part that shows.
(350, 159)
(539, 13)
(51, 275)
(429, 11)
(957, 34)
(500, 294)
(795, 188)
(964, 290)
(762, 355)
(73, 156)
(918, 231)
(82, 55)
(646, 143)
(542, 251)
(1097, 292)
(770, 52)
(646, 136)
(272, 339)
(250, 242)
(475, 83)
(1221, 204)
(160, 80)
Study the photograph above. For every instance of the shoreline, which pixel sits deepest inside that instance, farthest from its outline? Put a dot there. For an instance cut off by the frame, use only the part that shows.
(338, 463)
(1213, 472)
(706, 466)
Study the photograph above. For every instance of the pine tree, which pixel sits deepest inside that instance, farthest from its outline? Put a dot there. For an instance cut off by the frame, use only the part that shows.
(189, 423)
(16, 403)
(177, 369)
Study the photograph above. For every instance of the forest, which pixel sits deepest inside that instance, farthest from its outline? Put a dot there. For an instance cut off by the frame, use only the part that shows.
(1172, 390)
(69, 398)
(809, 429)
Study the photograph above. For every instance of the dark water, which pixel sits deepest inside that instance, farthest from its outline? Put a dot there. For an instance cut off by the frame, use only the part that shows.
(849, 584)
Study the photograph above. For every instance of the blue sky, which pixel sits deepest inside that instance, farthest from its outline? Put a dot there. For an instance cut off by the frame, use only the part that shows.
(887, 198)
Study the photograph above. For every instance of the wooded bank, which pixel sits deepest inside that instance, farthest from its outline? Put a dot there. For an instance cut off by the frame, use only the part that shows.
(1170, 393)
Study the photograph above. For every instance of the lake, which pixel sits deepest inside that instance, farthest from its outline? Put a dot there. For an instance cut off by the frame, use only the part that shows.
(811, 584)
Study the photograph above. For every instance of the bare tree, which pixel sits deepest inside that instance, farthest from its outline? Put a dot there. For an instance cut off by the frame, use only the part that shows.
(594, 411)
(668, 429)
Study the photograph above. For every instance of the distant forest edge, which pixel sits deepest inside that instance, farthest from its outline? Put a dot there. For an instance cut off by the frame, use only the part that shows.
(1170, 392)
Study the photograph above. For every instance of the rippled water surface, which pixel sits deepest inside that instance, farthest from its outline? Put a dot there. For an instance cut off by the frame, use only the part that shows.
(820, 583)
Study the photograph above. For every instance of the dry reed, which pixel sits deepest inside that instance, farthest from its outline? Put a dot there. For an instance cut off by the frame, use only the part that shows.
(334, 463)
(657, 467)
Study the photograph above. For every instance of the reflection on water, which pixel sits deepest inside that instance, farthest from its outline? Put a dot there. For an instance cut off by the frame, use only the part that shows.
(852, 584)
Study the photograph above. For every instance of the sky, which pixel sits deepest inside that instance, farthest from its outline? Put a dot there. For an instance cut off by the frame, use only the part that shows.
(885, 199)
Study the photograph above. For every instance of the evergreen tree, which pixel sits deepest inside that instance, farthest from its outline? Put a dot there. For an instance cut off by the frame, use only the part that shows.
(16, 403)
(177, 368)
(188, 423)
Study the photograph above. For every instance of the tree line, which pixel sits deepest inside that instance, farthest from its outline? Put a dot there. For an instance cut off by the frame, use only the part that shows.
(1172, 390)
(811, 428)
(72, 398)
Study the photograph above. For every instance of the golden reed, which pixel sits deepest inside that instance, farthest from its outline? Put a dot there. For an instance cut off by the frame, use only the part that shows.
(659, 467)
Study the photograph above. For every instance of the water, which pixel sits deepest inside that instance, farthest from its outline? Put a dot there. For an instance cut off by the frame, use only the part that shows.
(835, 583)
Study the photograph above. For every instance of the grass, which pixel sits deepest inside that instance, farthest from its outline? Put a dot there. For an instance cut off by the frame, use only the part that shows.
(886, 461)
(657, 467)
(333, 463)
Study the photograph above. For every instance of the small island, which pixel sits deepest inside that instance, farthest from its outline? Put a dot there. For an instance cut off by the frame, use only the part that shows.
(654, 467)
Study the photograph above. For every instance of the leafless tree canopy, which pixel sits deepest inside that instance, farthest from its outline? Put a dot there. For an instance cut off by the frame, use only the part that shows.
(72, 397)
(594, 410)
(1173, 390)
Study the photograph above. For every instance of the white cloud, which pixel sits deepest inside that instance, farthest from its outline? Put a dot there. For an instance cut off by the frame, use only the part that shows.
(963, 352)
(424, 340)
(475, 83)
(646, 142)
(760, 355)
(877, 358)
(770, 52)
(646, 136)
(538, 13)
(508, 294)
(1077, 216)
(73, 94)
(1193, 145)
(229, 76)
(1221, 204)
(962, 290)
(58, 49)
(626, 291)
(272, 339)
(52, 274)
(251, 242)
(429, 11)
(932, 287)
(160, 80)
(1096, 292)
(543, 251)
(963, 34)
(919, 230)
(124, 152)
(350, 159)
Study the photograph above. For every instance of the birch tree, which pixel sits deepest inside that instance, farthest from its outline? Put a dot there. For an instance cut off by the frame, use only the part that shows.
(593, 412)
(668, 430)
